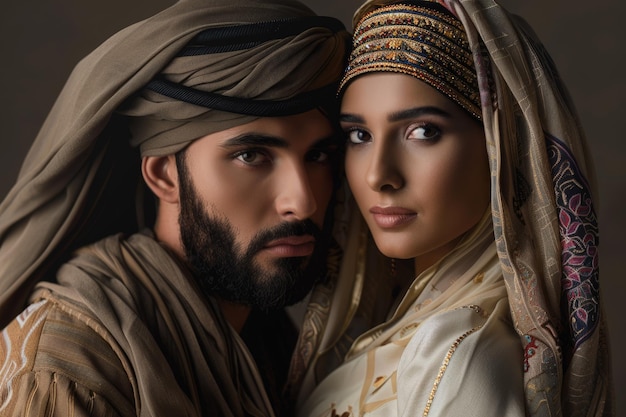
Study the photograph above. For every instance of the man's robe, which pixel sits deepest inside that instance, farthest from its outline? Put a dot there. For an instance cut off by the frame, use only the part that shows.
(125, 331)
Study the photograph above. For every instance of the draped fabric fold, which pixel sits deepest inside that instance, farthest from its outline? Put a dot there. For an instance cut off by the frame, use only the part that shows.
(157, 346)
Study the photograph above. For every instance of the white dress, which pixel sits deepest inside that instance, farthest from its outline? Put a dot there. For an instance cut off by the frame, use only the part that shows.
(448, 349)
(456, 363)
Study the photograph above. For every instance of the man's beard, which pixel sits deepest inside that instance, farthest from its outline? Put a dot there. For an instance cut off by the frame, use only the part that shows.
(225, 271)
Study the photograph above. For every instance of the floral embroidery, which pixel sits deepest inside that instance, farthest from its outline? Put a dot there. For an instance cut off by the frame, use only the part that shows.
(579, 241)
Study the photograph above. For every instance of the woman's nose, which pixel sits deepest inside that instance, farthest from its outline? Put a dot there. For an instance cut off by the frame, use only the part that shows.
(383, 172)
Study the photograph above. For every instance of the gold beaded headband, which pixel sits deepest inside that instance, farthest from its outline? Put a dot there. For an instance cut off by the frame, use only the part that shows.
(425, 41)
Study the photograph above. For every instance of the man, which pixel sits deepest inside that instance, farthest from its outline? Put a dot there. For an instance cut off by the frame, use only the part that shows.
(221, 112)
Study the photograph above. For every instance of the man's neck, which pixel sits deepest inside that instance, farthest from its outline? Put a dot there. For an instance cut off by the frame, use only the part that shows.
(235, 314)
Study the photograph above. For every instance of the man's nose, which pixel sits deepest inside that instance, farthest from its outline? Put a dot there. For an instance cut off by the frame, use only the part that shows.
(295, 198)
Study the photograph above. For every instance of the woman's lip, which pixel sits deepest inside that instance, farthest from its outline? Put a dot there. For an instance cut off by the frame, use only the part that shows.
(389, 210)
(390, 217)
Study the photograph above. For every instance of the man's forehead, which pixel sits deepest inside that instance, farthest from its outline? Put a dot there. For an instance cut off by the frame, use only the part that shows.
(255, 139)
(259, 139)
(307, 129)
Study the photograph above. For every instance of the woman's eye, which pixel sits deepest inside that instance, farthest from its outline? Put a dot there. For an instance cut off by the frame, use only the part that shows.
(251, 157)
(357, 136)
(425, 132)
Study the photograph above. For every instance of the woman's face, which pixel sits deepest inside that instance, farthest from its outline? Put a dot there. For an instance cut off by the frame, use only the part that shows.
(416, 163)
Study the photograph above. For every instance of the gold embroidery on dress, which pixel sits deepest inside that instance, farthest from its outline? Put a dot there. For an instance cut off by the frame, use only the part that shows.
(444, 366)
(367, 402)
(344, 414)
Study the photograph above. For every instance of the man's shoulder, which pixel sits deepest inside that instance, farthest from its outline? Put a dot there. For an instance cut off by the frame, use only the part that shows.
(50, 337)
(20, 339)
(113, 252)
(113, 245)
(50, 334)
(54, 354)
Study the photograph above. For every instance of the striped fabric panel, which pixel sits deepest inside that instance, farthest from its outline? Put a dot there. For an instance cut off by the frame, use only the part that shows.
(54, 363)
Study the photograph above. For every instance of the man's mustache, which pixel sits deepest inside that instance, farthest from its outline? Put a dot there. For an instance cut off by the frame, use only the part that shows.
(283, 230)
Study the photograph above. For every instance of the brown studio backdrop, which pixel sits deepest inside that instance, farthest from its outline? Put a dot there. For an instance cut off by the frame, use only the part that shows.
(41, 43)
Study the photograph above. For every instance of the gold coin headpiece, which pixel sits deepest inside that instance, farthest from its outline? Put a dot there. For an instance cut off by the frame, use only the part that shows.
(424, 40)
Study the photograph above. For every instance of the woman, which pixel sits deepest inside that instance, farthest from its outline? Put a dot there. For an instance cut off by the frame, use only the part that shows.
(469, 284)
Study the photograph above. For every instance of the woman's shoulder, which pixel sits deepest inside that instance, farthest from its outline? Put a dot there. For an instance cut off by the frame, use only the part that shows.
(468, 329)
(459, 355)
(461, 322)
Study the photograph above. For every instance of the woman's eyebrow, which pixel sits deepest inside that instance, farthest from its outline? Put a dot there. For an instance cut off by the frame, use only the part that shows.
(399, 115)
(416, 112)
(350, 118)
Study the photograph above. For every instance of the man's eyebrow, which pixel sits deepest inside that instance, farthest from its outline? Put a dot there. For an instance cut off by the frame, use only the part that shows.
(261, 140)
(328, 141)
(254, 139)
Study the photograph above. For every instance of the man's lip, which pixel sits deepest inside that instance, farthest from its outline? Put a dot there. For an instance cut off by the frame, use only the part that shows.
(391, 217)
(292, 246)
(292, 240)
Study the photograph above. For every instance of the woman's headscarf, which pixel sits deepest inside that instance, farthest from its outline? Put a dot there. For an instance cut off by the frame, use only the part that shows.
(197, 67)
(543, 212)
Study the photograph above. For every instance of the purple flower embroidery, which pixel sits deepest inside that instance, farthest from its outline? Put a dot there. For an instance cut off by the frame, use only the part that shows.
(579, 241)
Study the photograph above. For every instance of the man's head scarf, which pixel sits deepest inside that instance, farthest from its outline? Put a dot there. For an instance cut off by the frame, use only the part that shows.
(198, 67)
(543, 211)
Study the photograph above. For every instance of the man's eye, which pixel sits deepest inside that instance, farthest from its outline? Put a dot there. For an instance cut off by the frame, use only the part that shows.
(251, 157)
(357, 136)
(318, 155)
